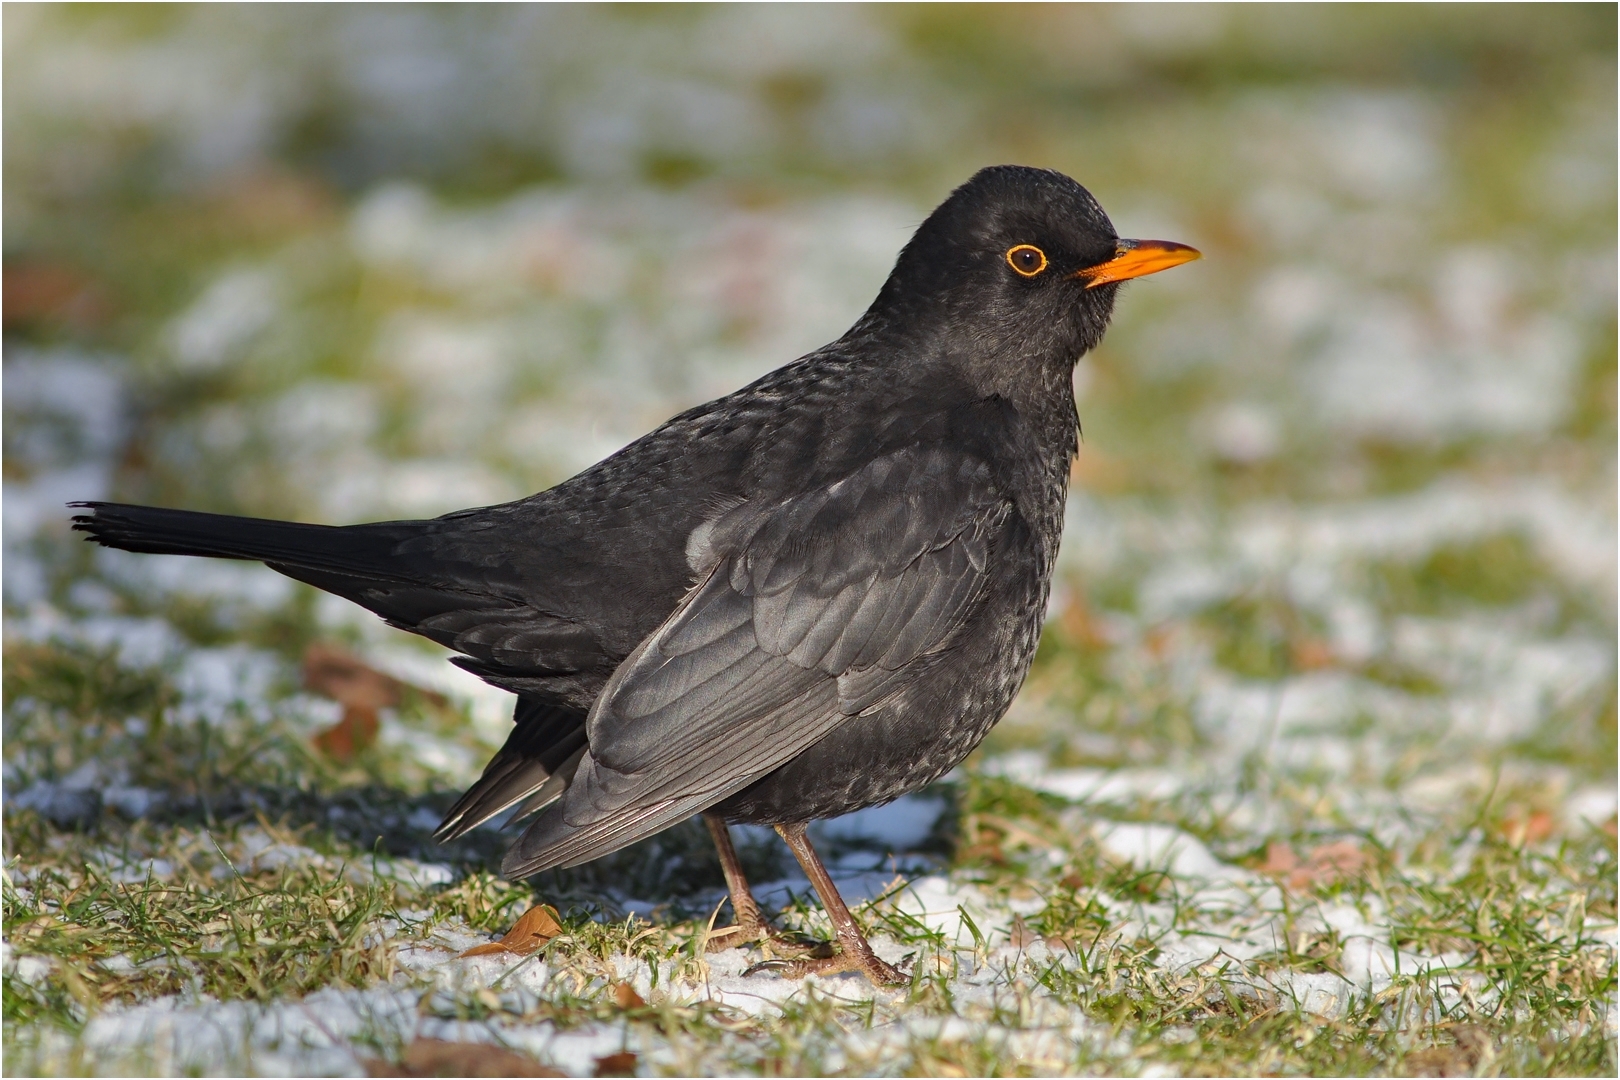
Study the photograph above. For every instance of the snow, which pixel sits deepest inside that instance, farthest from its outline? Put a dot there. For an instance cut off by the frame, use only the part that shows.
(900, 826)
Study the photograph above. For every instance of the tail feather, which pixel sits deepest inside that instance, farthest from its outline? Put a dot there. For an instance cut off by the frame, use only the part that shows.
(533, 768)
(386, 568)
(361, 550)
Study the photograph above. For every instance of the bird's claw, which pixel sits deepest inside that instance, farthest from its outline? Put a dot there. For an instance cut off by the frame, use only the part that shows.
(868, 964)
(763, 934)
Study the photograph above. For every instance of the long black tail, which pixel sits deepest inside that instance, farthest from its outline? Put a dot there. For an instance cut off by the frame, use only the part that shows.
(388, 568)
(362, 551)
(449, 579)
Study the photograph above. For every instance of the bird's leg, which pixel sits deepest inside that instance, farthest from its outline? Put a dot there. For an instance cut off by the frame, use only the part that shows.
(750, 922)
(854, 953)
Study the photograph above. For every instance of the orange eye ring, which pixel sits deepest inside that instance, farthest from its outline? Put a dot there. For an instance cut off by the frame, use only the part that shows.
(1027, 260)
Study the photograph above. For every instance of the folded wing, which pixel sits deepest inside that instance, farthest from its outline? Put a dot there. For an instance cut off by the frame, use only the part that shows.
(807, 612)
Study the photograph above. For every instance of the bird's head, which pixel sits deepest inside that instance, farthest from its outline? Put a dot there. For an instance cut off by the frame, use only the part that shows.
(1022, 259)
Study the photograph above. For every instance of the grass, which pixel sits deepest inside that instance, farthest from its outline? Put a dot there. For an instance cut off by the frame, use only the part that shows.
(1524, 988)
(262, 937)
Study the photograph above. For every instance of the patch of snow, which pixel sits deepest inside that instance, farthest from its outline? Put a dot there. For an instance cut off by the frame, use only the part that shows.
(220, 323)
(898, 826)
(214, 681)
(252, 586)
(945, 906)
(65, 806)
(25, 969)
(1098, 785)
(1161, 847)
(132, 802)
(423, 818)
(1594, 804)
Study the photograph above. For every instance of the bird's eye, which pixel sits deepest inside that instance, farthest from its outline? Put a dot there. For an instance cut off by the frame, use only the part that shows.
(1027, 259)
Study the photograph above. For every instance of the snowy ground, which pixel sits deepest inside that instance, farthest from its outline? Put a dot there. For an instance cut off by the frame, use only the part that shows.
(1314, 773)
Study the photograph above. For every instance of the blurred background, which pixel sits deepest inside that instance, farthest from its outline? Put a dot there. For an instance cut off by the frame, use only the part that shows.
(1347, 488)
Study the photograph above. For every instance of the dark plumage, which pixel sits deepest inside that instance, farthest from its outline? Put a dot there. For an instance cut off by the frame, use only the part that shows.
(810, 596)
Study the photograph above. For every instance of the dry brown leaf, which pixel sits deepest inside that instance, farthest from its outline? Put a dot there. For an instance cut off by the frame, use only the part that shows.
(1280, 859)
(625, 996)
(1081, 625)
(533, 929)
(1160, 640)
(361, 689)
(1338, 860)
(1328, 864)
(1531, 828)
(37, 291)
(436, 1057)
(1021, 936)
(989, 852)
(336, 673)
(489, 948)
(1311, 654)
(1436, 1061)
(272, 201)
(350, 735)
(1325, 865)
(620, 1064)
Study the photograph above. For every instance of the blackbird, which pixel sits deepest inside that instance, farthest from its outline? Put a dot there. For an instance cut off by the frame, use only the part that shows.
(810, 596)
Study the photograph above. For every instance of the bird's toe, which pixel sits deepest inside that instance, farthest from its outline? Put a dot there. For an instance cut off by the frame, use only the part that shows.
(876, 970)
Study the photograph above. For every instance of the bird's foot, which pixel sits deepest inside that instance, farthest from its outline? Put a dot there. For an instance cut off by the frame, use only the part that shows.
(751, 931)
(844, 959)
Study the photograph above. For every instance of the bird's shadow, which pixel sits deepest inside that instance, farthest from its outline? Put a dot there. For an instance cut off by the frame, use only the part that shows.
(671, 876)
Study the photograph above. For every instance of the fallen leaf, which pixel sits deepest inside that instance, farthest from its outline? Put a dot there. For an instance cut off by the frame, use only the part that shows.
(1160, 640)
(1311, 654)
(273, 202)
(361, 689)
(344, 677)
(620, 1064)
(1325, 865)
(533, 929)
(1329, 863)
(986, 851)
(1531, 828)
(350, 735)
(625, 996)
(1081, 625)
(1021, 936)
(436, 1057)
(1436, 1061)
(37, 291)
(1280, 859)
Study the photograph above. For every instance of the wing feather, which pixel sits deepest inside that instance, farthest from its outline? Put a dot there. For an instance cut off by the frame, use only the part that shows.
(696, 678)
(812, 610)
(859, 628)
(831, 624)
(542, 750)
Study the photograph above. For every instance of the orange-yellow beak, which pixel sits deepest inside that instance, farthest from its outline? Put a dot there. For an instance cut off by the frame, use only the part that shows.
(1134, 258)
